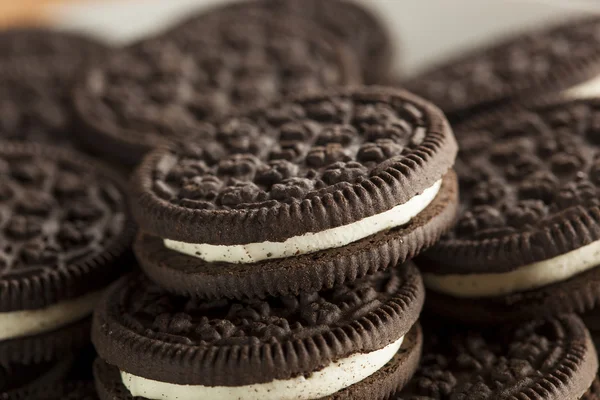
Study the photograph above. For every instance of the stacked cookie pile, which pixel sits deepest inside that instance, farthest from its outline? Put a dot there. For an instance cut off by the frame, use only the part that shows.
(65, 226)
(291, 219)
(293, 286)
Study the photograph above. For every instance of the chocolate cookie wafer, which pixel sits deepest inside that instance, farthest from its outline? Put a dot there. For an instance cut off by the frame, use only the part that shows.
(355, 341)
(351, 23)
(64, 235)
(528, 235)
(298, 196)
(550, 359)
(517, 68)
(160, 90)
(38, 68)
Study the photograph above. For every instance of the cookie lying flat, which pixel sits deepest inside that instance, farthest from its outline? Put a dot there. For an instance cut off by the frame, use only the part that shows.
(64, 233)
(352, 24)
(523, 66)
(528, 236)
(540, 360)
(298, 196)
(159, 90)
(356, 341)
(37, 71)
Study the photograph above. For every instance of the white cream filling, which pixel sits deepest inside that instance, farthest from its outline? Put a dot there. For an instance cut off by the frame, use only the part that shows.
(310, 242)
(16, 324)
(331, 379)
(527, 277)
(589, 88)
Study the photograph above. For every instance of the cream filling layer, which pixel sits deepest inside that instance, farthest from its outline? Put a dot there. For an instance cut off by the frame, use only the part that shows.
(310, 242)
(331, 379)
(589, 88)
(527, 277)
(17, 324)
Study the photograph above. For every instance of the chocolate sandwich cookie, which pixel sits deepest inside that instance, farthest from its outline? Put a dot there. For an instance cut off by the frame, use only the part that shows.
(522, 66)
(351, 23)
(355, 341)
(38, 69)
(528, 234)
(298, 196)
(65, 230)
(550, 359)
(161, 89)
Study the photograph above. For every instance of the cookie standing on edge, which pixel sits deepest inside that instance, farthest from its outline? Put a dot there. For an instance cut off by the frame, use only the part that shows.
(38, 68)
(65, 230)
(159, 90)
(351, 23)
(550, 359)
(517, 68)
(527, 239)
(355, 341)
(299, 196)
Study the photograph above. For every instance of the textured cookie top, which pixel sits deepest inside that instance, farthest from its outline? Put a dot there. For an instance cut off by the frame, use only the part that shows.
(250, 338)
(529, 187)
(42, 43)
(349, 22)
(63, 220)
(553, 58)
(539, 360)
(312, 163)
(164, 88)
(37, 71)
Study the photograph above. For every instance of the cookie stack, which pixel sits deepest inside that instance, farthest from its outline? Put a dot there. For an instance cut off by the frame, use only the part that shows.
(291, 220)
(275, 253)
(65, 231)
(521, 258)
(65, 227)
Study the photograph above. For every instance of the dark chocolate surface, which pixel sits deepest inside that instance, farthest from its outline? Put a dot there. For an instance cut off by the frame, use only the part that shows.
(313, 163)
(138, 327)
(538, 360)
(521, 66)
(353, 24)
(161, 89)
(38, 69)
(529, 180)
(63, 223)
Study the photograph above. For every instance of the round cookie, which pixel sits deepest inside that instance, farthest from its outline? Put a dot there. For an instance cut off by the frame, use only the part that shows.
(527, 237)
(522, 66)
(550, 359)
(160, 89)
(299, 196)
(38, 68)
(351, 23)
(65, 231)
(356, 341)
